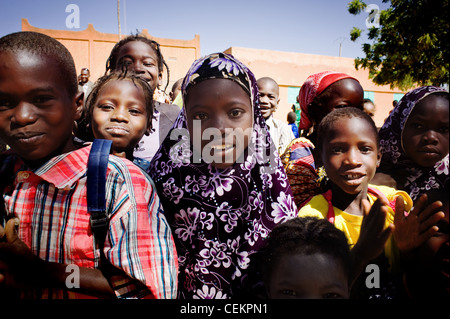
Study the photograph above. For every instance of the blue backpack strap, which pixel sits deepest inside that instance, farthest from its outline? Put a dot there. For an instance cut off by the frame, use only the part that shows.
(96, 182)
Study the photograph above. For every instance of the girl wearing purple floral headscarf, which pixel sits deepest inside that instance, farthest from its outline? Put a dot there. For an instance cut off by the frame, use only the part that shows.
(414, 142)
(222, 196)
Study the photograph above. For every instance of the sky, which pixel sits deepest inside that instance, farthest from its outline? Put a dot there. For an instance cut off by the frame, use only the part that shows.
(314, 27)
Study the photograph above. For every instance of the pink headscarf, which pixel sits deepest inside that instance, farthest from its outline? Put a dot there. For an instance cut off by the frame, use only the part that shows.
(313, 86)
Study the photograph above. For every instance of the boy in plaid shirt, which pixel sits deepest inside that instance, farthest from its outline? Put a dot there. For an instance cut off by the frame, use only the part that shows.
(44, 222)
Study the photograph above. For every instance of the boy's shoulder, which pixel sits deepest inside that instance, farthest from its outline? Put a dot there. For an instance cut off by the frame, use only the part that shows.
(316, 206)
(392, 193)
(66, 169)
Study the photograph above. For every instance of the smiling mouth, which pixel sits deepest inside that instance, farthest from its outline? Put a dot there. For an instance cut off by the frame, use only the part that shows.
(351, 177)
(28, 138)
(221, 147)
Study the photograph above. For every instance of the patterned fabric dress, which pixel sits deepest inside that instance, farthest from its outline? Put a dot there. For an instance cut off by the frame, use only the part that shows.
(220, 217)
(410, 177)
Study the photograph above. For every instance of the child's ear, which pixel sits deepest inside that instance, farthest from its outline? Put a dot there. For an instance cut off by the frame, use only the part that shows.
(78, 105)
(379, 155)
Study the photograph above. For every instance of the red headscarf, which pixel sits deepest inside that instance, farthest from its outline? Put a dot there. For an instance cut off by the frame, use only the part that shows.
(313, 86)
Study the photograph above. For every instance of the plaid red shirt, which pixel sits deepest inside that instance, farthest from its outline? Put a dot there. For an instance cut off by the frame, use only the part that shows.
(51, 205)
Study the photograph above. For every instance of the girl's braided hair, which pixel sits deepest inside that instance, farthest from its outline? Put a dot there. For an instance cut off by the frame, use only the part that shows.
(111, 62)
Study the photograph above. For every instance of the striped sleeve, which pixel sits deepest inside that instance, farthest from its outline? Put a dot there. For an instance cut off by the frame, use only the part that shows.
(139, 241)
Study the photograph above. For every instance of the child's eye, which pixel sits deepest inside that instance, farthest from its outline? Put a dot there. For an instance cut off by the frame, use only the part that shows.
(126, 61)
(5, 104)
(135, 112)
(337, 149)
(42, 99)
(332, 295)
(236, 113)
(444, 130)
(365, 149)
(289, 292)
(200, 116)
(105, 107)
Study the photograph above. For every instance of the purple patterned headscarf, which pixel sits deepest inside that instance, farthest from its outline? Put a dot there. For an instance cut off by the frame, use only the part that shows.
(220, 217)
(416, 180)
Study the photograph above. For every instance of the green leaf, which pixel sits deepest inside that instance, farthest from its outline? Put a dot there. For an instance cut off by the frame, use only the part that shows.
(356, 6)
(355, 33)
(410, 48)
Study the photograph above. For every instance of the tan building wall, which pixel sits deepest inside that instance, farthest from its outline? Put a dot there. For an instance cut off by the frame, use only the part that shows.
(291, 69)
(91, 48)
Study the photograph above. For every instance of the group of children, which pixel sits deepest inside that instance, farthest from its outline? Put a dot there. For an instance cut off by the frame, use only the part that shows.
(201, 201)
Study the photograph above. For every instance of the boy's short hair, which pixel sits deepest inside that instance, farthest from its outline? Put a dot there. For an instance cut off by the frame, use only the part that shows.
(305, 235)
(292, 117)
(44, 46)
(344, 112)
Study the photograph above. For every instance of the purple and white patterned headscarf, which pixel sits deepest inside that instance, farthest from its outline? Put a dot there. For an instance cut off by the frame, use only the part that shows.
(416, 180)
(220, 217)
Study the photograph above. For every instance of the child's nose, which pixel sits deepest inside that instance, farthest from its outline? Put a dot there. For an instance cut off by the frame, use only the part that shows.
(353, 158)
(221, 124)
(119, 114)
(263, 100)
(24, 113)
(430, 137)
(137, 67)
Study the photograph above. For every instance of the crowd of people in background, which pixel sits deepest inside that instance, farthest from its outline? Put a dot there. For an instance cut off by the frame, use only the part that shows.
(206, 194)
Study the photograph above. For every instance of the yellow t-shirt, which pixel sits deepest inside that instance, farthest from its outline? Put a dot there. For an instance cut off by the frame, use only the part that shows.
(351, 224)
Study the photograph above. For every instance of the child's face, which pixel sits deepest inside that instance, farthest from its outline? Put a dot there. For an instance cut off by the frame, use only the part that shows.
(37, 112)
(350, 154)
(176, 89)
(223, 105)
(268, 97)
(369, 108)
(119, 114)
(84, 76)
(315, 276)
(425, 136)
(344, 93)
(142, 60)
